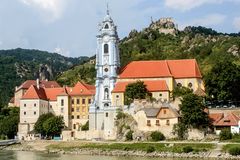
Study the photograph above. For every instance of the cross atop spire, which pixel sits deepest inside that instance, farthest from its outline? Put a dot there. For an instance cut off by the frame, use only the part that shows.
(107, 9)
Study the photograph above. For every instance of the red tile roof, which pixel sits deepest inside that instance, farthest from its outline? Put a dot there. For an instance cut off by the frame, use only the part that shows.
(230, 120)
(81, 89)
(51, 93)
(186, 68)
(45, 84)
(34, 93)
(215, 117)
(152, 86)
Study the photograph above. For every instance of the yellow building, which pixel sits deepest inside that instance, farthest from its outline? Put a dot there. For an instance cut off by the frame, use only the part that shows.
(81, 96)
(160, 78)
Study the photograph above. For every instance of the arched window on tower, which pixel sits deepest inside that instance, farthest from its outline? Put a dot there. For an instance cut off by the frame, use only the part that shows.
(105, 48)
(106, 26)
(106, 93)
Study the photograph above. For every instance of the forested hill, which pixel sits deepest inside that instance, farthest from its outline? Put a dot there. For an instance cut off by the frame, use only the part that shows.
(18, 65)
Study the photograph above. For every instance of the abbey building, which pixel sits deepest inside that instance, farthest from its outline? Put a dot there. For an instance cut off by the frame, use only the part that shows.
(99, 104)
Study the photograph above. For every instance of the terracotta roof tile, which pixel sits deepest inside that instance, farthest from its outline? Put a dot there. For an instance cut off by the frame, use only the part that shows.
(215, 117)
(152, 86)
(185, 68)
(230, 120)
(52, 93)
(81, 89)
(45, 84)
(34, 93)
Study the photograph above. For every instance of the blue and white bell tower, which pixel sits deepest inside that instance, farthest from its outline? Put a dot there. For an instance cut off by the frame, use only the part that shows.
(102, 113)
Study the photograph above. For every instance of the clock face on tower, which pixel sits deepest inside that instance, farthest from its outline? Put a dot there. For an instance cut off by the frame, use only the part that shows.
(106, 69)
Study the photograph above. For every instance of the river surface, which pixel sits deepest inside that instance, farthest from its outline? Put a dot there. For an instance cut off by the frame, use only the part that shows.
(21, 155)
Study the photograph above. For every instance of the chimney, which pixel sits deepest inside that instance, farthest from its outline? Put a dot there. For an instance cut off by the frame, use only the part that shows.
(38, 84)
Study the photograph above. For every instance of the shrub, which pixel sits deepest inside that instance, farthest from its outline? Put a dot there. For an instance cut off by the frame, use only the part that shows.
(187, 149)
(120, 115)
(150, 149)
(129, 136)
(85, 127)
(157, 136)
(235, 151)
(225, 134)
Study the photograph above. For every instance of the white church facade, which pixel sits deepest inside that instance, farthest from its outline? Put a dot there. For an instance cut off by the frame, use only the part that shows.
(102, 112)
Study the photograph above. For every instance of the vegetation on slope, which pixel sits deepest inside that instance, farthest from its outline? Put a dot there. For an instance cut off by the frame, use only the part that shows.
(18, 65)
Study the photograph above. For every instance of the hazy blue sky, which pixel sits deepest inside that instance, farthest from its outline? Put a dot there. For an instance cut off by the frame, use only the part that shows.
(70, 26)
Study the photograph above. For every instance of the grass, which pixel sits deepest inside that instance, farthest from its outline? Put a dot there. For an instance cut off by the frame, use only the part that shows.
(158, 147)
(228, 146)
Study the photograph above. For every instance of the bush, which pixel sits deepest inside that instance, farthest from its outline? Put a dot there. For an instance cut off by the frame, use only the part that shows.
(225, 134)
(129, 136)
(157, 136)
(187, 149)
(235, 151)
(85, 127)
(150, 149)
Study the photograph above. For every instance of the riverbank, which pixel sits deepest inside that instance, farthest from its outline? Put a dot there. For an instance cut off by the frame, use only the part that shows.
(147, 149)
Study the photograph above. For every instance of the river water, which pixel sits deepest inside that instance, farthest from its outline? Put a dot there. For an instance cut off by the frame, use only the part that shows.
(21, 155)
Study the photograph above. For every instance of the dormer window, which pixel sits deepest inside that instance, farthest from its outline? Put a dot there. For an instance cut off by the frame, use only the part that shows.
(105, 48)
(106, 26)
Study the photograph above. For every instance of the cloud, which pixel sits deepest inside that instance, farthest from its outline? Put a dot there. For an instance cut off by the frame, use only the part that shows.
(51, 9)
(186, 5)
(62, 51)
(207, 21)
(236, 23)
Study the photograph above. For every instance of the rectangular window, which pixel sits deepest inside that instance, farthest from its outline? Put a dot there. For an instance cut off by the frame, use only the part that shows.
(164, 111)
(78, 101)
(72, 117)
(72, 109)
(35, 104)
(157, 123)
(78, 109)
(89, 101)
(167, 122)
(24, 113)
(83, 109)
(83, 101)
(50, 106)
(72, 101)
(148, 122)
(25, 105)
(34, 113)
(62, 102)
(78, 116)
(106, 114)
(62, 110)
(74, 126)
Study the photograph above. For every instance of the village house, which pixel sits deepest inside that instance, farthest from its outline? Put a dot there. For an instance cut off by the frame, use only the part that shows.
(229, 121)
(70, 102)
(159, 118)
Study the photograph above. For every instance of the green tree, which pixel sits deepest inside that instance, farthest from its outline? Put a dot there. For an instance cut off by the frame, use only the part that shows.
(223, 81)
(181, 91)
(9, 119)
(53, 126)
(135, 90)
(192, 111)
(38, 127)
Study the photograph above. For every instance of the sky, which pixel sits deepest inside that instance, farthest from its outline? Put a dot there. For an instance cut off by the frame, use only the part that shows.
(69, 27)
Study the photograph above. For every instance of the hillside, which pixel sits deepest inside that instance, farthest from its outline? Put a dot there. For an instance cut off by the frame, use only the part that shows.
(18, 65)
(161, 40)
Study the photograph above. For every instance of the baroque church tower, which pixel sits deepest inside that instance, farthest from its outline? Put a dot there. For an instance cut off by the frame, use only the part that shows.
(101, 112)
